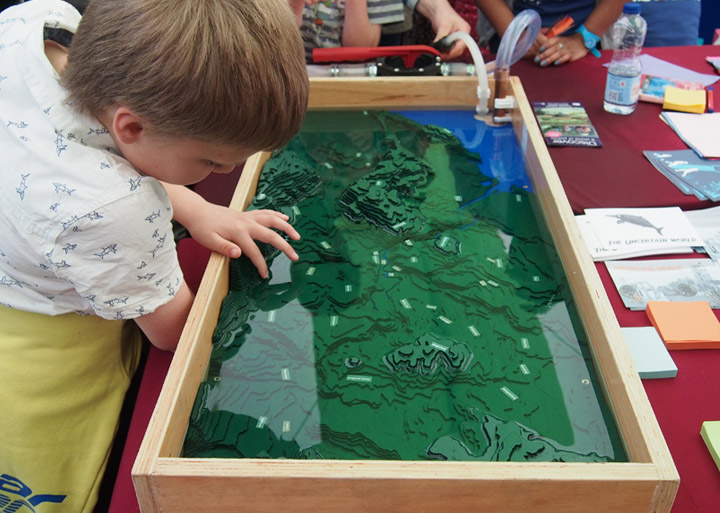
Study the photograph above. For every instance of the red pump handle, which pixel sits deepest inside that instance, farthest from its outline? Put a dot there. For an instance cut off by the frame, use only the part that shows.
(363, 53)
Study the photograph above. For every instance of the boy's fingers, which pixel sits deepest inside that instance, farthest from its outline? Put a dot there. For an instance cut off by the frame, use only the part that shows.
(280, 222)
(277, 241)
(256, 257)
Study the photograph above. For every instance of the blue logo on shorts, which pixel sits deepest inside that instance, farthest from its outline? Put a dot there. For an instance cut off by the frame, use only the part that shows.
(16, 496)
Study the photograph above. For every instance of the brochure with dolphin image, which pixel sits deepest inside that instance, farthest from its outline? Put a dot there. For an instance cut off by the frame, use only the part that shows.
(689, 172)
(619, 233)
(566, 124)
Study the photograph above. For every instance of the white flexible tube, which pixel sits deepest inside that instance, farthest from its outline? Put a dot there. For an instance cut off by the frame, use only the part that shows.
(518, 38)
(483, 90)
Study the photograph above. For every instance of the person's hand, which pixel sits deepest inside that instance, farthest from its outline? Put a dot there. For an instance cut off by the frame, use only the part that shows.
(234, 233)
(561, 49)
(539, 43)
(445, 20)
(456, 50)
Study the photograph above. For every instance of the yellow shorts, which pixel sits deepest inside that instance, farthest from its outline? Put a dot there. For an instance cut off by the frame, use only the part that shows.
(62, 384)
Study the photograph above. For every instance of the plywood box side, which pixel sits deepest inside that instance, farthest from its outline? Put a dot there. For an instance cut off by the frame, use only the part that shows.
(390, 92)
(193, 353)
(169, 484)
(245, 190)
(409, 469)
(192, 356)
(627, 398)
(169, 412)
(507, 490)
(192, 368)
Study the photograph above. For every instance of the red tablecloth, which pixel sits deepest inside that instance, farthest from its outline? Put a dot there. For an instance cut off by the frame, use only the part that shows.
(616, 175)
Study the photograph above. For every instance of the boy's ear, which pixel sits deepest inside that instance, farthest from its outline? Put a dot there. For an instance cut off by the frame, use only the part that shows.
(128, 127)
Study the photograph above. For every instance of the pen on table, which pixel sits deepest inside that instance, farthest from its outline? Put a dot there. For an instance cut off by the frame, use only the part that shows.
(710, 100)
(560, 26)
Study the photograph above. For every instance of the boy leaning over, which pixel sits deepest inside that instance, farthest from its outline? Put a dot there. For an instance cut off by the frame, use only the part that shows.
(98, 141)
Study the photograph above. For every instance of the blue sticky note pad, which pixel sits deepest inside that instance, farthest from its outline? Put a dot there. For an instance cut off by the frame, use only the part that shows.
(649, 353)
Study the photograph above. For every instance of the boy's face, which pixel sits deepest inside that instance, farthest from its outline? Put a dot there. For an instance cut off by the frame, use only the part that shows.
(182, 161)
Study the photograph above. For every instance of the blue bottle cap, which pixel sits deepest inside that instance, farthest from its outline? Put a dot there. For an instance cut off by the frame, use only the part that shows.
(632, 8)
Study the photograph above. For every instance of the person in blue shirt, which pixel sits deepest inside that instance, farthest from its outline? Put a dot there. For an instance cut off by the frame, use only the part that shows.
(671, 22)
(591, 20)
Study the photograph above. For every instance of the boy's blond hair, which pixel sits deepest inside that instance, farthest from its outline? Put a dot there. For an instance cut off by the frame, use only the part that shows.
(220, 71)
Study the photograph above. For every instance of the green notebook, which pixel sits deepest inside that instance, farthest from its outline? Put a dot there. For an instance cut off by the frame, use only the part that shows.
(710, 432)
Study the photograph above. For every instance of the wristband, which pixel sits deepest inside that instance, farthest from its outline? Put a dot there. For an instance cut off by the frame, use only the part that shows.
(590, 40)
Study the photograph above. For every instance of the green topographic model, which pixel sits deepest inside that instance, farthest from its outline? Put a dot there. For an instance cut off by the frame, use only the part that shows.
(428, 316)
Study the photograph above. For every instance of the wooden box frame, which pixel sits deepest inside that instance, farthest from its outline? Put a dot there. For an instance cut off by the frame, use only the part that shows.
(165, 482)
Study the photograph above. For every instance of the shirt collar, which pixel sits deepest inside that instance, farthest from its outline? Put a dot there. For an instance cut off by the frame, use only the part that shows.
(43, 79)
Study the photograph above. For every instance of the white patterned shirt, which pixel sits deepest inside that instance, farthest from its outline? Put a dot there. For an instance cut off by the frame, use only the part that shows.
(80, 229)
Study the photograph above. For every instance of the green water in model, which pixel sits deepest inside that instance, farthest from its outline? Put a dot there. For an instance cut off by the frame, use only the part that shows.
(427, 318)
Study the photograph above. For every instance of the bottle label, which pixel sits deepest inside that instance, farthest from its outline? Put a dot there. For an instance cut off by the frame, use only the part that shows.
(622, 90)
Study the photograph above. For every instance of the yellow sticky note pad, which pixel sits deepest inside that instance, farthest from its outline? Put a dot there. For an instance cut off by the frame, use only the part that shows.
(684, 100)
(685, 325)
(710, 432)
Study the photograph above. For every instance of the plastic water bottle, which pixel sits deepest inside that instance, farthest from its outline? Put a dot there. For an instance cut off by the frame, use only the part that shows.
(623, 79)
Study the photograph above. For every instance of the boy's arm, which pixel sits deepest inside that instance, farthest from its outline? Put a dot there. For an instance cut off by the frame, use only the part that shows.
(228, 231)
(164, 326)
(357, 29)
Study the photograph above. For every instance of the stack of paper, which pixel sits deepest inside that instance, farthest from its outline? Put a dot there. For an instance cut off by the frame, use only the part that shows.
(651, 357)
(660, 68)
(684, 100)
(690, 325)
(686, 279)
(699, 131)
(707, 223)
(652, 89)
(617, 233)
(692, 174)
(710, 432)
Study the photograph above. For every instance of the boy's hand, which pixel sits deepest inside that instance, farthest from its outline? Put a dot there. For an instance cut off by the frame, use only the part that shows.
(234, 233)
(228, 231)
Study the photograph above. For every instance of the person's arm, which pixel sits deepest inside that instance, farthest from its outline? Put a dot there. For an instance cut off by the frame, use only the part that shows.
(357, 29)
(228, 231)
(603, 16)
(562, 49)
(498, 14)
(296, 6)
(164, 326)
(444, 20)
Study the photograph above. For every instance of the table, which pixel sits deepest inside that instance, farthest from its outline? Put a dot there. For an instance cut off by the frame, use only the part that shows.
(616, 175)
